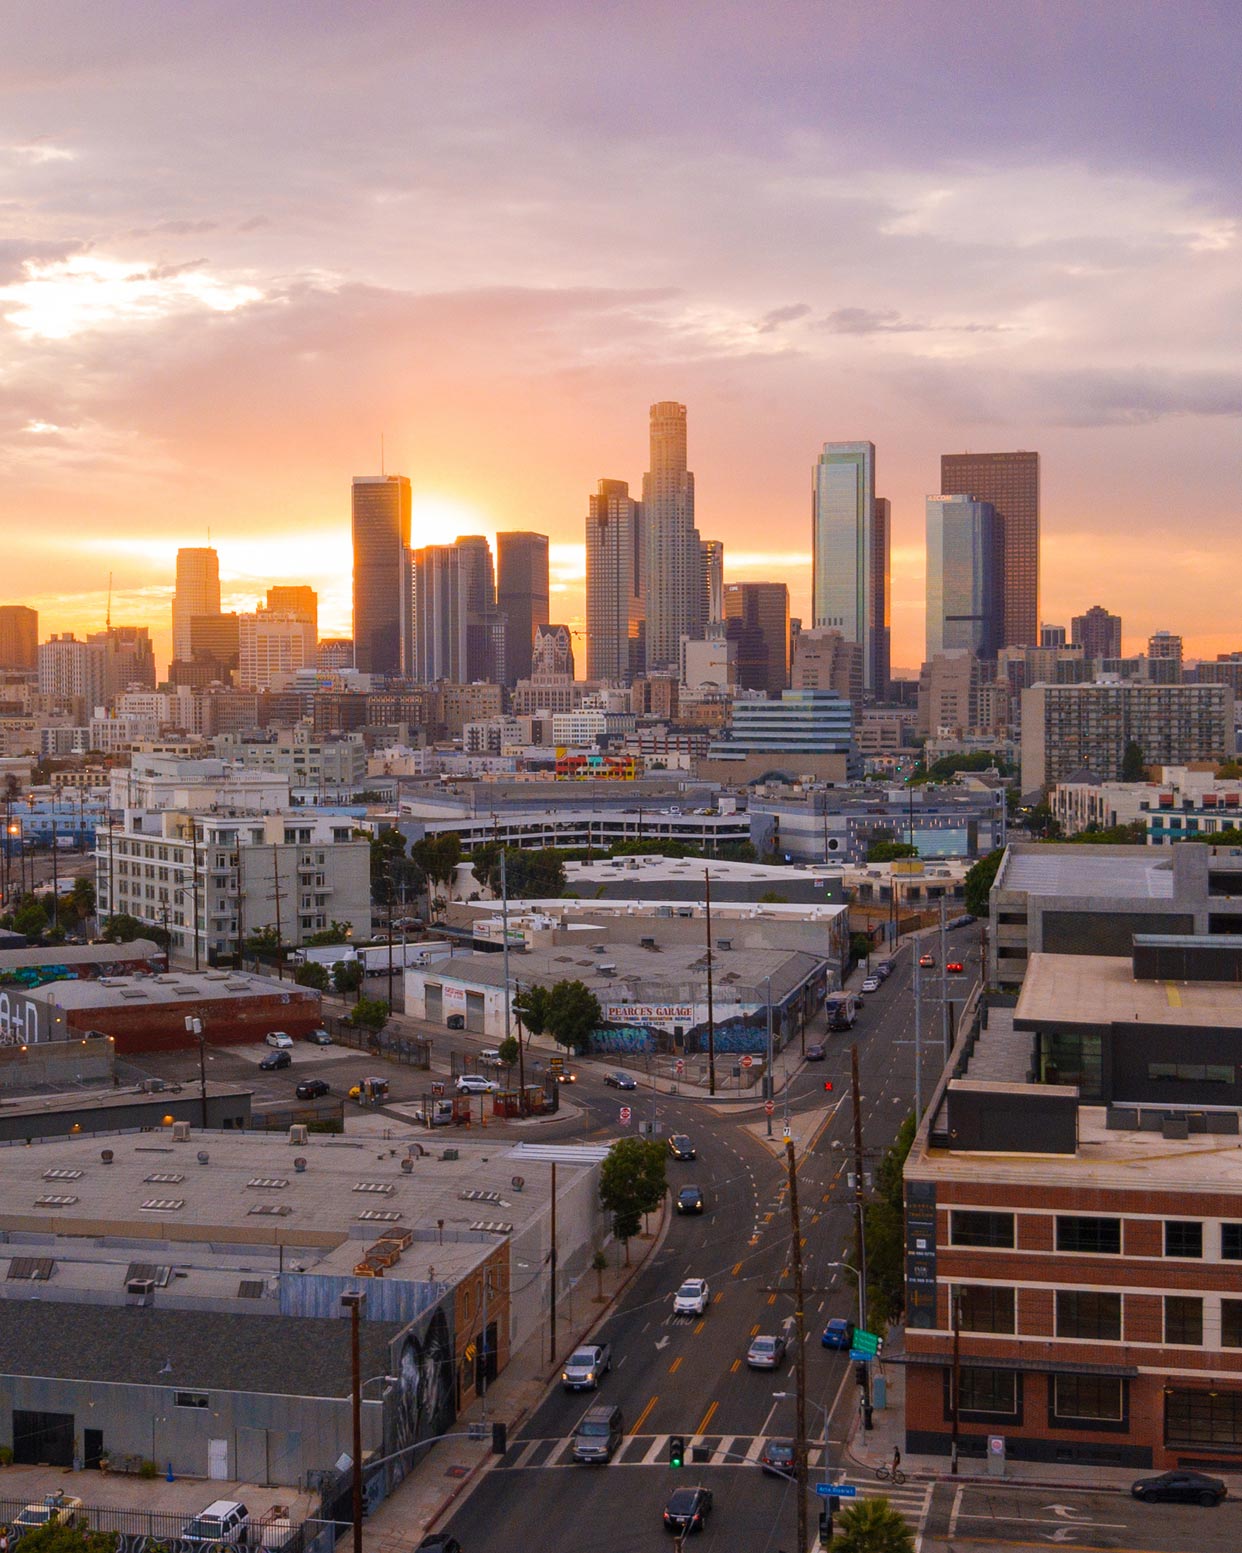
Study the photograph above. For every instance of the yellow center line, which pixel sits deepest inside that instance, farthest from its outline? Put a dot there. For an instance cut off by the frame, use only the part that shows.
(737, 1269)
(699, 1328)
(767, 1218)
(771, 1299)
(716, 1298)
(754, 1331)
(735, 1367)
(707, 1418)
(803, 1240)
(675, 1366)
(754, 1240)
(642, 1417)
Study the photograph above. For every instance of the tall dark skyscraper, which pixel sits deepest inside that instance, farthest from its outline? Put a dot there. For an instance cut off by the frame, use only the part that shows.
(615, 564)
(522, 595)
(1010, 481)
(673, 584)
(383, 597)
(757, 619)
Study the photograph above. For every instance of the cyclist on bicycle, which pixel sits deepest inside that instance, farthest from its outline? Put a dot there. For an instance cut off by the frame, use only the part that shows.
(896, 1460)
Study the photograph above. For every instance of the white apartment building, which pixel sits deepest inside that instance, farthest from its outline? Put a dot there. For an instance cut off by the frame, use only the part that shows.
(581, 727)
(272, 642)
(214, 879)
(68, 667)
(495, 735)
(160, 782)
(116, 735)
(319, 770)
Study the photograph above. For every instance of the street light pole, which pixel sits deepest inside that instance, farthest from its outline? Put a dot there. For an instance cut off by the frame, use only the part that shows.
(769, 1076)
(353, 1301)
(800, 1351)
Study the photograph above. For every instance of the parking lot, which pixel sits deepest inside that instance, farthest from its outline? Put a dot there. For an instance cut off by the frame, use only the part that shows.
(154, 1496)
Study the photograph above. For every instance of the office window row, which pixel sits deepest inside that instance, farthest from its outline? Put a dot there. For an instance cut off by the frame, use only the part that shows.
(1095, 1315)
(1090, 1234)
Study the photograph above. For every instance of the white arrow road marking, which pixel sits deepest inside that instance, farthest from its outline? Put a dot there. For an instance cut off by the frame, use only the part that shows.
(663, 1342)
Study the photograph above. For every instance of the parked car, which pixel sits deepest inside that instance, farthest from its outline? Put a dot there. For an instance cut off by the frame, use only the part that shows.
(884, 969)
(687, 1510)
(475, 1084)
(1181, 1486)
(928, 961)
(777, 1458)
(586, 1367)
(275, 1060)
(691, 1299)
(55, 1510)
(690, 1200)
(456, 1021)
(766, 1353)
(279, 1039)
(224, 1520)
(954, 967)
(439, 1542)
(839, 1333)
(871, 984)
(312, 1089)
(319, 1038)
(599, 1433)
(680, 1147)
(621, 1080)
(489, 1054)
(815, 1053)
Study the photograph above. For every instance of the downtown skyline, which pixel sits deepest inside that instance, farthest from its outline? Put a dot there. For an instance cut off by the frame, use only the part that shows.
(222, 349)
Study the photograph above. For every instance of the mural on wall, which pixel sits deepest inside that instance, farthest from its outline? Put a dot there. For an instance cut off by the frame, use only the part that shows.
(425, 1401)
(738, 1034)
(624, 1041)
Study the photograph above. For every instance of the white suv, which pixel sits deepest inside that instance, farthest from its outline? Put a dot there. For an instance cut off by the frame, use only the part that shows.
(691, 1299)
(475, 1084)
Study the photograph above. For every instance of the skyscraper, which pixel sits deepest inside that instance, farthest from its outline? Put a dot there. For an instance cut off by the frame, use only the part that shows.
(757, 619)
(380, 517)
(297, 600)
(522, 595)
(19, 637)
(615, 566)
(197, 592)
(673, 579)
(712, 608)
(440, 614)
(1097, 632)
(850, 555)
(961, 576)
(1010, 481)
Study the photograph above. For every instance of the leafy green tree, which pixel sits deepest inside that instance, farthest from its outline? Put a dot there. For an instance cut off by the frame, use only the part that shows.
(884, 851)
(872, 1526)
(371, 1014)
(509, 1050)
(263, 941)
(347, 976)
(312, 974)
(1133, 766)
(31, 918)
(632, 1182)
(1230, 837)
(1133, 833)
(883, 1216)
(1229, 771)
(83, 896)
(532, 1004)
(338, 933)
(530, 873)
(860, 947)
(56, 1538)
(773, 898)
(573, 1012)
(979, 880)
(979, 760)
(121, 928)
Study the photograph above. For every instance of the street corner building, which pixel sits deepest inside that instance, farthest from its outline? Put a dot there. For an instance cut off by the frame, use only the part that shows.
(1074, 1218)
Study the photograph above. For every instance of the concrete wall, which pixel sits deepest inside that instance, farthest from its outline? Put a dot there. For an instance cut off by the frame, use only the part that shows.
(56, 1064)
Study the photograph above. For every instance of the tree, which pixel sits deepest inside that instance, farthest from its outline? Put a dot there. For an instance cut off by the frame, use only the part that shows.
(338, 933)
(347, 976)
(312, 974)
(573, 1013)
(883, 851)
(872, 1526)
(121, 928)
(509, 1050)
(371, 1014)
(1133, 833)
(860, 947)
(263, 941)
(773, 898)
(883, 1217)
(1133, 767)
(531, 1005)
(83, 895)
(530, 874)
(57, 1538)
(1229, 771)
(632, 1182)
(978, 883)
(31, 918)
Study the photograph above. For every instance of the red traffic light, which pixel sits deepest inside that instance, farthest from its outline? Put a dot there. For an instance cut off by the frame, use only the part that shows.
(827, 1086)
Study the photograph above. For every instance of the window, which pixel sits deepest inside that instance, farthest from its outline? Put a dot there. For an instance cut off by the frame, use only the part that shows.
(1101, 1236)
(1203, 1418)
(1231, 1242)
(982, 1308)
(191, 1399)
(1183, 1237)
(987, 1391)
(1231, 1323)
(971, 1227)
(1183, 1319)
(1087, 1396)
(1086, 1313)
(1192, 1072)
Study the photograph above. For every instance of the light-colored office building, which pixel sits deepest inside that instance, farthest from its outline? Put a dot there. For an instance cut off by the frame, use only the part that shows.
(197, 592)
(272, 645)
(850, 555)
(963, 568)
(674, 567)
(616, 561)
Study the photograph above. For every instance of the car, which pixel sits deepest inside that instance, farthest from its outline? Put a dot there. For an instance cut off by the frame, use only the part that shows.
(839, 1333)
(439, 1542)
(275, 1060)
(279, 1039)
(224, 1520)
(871, 984)
(815, 1053)
(777, 1458)
(312, 1089)
(586, 1367)
(680, 1147)
(621, 1080)
(456, 1021)
(598, 1434)
(766, 1353)
(566, 1076)
(1181, 1486)
(687, 1510)
(884, 969)
(954, 967)
(928, 962)
(475, 1084)
(692, 1298)
(690, 1200)
(319, 1038)
(56, 1509)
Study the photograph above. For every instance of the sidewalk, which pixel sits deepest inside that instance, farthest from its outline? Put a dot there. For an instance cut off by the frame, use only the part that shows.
(449, 1470)
(865, 1450)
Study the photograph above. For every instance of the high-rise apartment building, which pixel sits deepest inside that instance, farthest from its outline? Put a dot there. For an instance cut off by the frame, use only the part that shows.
(1164, 646)
(72, 668)
(616, 560)
(271, 643)
(380, 519)
(1051, 636)
(197, 592)
(1010, 481)
(296, 600)
(1097, 632)
(961, 576)
(19, 637)
(850, 555)
(825, 660)
(128, 659)
(673, 581)
(522, 594)
(757, 619)
(712, 608)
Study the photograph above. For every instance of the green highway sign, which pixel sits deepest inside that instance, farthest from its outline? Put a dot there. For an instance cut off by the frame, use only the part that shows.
(865, 1342)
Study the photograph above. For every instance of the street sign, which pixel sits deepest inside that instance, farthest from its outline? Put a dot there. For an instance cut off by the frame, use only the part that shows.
(769, 1106)
(866, 1342)
(679, 1067)
(837, 1490)
(626, 1113)
(860, 1354)
(748, 1062)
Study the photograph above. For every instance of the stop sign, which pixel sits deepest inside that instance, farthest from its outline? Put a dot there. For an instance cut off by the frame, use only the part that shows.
(679, 1066)
(748, 1062)
(769, 1107)
(626, 1113)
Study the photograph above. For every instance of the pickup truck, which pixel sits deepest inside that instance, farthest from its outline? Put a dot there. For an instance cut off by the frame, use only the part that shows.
(586, 1367)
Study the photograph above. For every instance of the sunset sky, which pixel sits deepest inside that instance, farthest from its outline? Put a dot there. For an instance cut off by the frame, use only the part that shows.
(239, 243)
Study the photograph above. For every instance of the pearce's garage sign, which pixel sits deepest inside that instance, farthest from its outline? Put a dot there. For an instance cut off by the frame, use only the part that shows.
(649, 1013)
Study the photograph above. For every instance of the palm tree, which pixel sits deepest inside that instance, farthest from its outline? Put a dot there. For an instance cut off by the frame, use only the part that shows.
(873, 1526)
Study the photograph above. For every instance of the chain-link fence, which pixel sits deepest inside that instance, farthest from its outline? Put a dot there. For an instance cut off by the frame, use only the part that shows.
(148, 1531)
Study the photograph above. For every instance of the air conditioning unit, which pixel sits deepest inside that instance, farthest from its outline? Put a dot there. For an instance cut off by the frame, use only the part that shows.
(140, 1291)
(298, 1136)
(181, 1132)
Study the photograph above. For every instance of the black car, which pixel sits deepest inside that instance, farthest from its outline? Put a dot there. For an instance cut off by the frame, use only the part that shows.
(1181, 1486)
(620, 1080)
(277, 1059)
(456, 1022)
(439, 1542)
(680, 1147)
(777, 1458)
(690, 1200)
(687, 1510)
(311, 1089)
(815, 1053)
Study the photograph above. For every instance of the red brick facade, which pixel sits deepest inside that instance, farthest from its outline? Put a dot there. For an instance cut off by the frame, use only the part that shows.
(226, 1021)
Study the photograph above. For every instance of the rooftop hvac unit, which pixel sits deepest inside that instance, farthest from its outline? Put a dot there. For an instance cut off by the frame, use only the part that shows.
(181, 1132)
(140, 1291)
(298, 1135)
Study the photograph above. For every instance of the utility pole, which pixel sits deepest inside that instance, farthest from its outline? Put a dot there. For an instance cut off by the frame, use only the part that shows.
(194, 862)
(388, 876)
(768, 1084)
(800, 1350)
(860, 1239)
(56, 875)
(241, 897)
(353, 1303)
(280, 959)
(955, 1317)
(711, 1013)
(944, 981)
(504, 930)
(918, 1038)
(552, 1265)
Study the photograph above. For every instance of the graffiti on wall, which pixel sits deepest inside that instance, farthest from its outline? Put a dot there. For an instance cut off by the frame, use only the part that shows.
(624, 1041)
(426, 1405)
(736, 1035)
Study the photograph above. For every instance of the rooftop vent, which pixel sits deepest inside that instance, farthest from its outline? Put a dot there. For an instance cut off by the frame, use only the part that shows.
(164, 1178)
(150, 1272)
(203, 1156)
(55, 1200)
(383, 1188)
(161, 1204)
(491, 1227)
(268, 1183)
(38, 1268)
(272, 1210)
(62, 1175)
(250, 1289)
(299, 1164)
(298, 1135)
(646, 942)
(106, 1156)
(724, 943)
(379, 1215)
(140, 1291)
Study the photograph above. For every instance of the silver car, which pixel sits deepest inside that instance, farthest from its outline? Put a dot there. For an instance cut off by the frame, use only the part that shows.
(766, 1353)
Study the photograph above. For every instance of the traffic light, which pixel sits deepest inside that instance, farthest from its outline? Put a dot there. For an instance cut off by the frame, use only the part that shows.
(825, 1523)
(827, 1086)
(676, 1450)
(499, 1439)
(860, 1375)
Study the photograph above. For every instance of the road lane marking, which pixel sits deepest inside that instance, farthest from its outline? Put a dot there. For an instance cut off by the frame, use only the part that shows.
(737, 1269)
(716, 1298)
(699, 1328)
(771, 1299)
(754, 1331)
(676, 1365)
(735, 1367)
(642, 1417)
(707, 1418)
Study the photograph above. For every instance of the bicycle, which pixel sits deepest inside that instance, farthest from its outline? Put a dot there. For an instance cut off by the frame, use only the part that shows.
(885, 1473)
